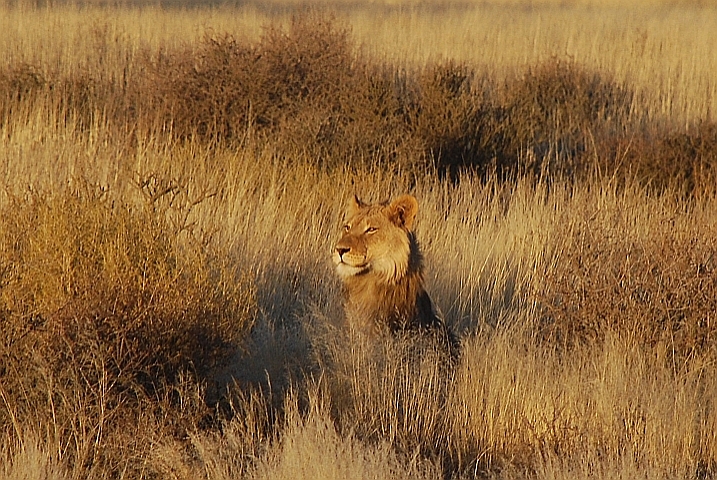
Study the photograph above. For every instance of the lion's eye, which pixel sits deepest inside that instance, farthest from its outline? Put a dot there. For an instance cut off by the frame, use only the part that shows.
(347, 228)
(370, 230)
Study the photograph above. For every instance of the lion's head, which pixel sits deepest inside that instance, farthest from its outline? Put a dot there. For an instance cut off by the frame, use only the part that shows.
(376, 240)
(378, 259)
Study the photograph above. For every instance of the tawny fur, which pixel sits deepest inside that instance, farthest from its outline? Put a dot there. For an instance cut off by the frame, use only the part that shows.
(378, 259)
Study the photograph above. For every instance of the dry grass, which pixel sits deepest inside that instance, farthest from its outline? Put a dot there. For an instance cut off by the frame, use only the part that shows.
(171, 193)
(107, 310)
(662, 49)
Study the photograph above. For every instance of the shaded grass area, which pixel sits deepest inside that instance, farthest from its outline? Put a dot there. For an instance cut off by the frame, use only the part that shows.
(169, 310)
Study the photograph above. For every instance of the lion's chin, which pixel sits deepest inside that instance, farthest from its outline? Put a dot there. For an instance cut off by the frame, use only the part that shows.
(345, 270)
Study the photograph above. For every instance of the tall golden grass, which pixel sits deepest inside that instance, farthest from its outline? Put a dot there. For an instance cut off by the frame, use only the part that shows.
(166, 294)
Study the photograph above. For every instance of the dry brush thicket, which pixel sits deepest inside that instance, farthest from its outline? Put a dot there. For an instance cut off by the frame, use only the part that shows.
(166, 296)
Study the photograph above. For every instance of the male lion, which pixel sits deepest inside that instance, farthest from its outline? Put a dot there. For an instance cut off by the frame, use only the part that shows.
(378, 260)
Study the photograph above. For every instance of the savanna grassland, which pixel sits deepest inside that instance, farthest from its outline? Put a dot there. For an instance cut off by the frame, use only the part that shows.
(173, 180)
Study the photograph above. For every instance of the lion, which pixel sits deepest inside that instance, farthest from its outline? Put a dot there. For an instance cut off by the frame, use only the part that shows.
(379, 262)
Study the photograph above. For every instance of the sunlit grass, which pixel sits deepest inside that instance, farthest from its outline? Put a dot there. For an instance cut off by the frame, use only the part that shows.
(585, 305)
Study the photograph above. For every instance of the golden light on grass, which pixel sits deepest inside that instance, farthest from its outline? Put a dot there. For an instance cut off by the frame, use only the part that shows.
(166, 219)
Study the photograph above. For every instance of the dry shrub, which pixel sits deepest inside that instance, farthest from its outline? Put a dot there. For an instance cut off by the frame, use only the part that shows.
(225, 87)
(19, 83)
(85, 100)
(551, 120)
(559, 111)
(676, 161)
(308, 92)
(106, 312)
(443, 117)
(207, 93)
(365, 126)
(305, 90)
(87, 95)
(653, 281)
(90, 94)
(310, 65)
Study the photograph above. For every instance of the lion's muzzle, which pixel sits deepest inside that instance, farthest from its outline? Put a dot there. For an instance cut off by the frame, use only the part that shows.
(349, 258)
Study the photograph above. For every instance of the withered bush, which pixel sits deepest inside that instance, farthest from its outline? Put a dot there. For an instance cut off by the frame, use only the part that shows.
(550, 120)
(105, 310)
(225, 86)
(18, 83)
(681, 161)
(559, 111)
(443, 117)
(306, 91)
(657, 286)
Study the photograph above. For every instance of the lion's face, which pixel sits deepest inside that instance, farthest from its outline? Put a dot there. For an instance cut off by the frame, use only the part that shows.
(375, 239)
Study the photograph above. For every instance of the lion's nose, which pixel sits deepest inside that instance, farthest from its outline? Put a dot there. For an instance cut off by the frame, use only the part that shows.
(341, 251)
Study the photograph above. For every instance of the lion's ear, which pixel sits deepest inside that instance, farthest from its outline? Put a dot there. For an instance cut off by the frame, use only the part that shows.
(403, 211)
(354, 206)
